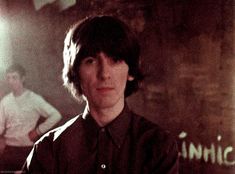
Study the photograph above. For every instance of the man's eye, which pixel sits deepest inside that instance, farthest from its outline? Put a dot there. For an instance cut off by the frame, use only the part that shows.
(89, 60)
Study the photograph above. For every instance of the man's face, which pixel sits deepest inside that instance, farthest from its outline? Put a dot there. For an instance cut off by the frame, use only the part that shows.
(103, 80)
(15, 81)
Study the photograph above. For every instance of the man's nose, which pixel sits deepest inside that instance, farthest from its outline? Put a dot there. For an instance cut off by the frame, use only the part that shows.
(104, 70)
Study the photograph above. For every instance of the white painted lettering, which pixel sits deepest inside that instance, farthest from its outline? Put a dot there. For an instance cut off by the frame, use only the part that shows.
(215, 153)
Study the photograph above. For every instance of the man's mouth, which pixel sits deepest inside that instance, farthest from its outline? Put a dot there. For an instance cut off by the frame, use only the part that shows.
(104, 89)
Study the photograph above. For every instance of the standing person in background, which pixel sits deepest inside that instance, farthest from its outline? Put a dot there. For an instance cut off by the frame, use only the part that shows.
(20, 111)
(101, 65)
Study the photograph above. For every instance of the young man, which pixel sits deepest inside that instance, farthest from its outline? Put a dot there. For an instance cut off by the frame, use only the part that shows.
(20, 111)
(101, 64)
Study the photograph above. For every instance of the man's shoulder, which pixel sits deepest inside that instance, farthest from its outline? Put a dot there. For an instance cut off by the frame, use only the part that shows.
(153, 138)
(32, 94)
(57, 133)
(142, 123)
(8, 97)
(34, 98)
(144, 128)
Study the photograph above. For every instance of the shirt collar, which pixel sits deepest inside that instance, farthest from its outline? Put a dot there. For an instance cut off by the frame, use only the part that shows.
(118, 128)
(91, 128)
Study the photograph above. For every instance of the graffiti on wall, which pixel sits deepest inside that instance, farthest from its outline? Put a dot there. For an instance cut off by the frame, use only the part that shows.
(215, 153)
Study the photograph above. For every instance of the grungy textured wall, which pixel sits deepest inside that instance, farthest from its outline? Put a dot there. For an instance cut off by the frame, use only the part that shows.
(187, 56)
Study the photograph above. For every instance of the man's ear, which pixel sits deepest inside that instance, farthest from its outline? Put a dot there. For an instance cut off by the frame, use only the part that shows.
(130, 78)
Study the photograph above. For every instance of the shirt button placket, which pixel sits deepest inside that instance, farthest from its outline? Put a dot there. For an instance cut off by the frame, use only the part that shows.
(102, 152)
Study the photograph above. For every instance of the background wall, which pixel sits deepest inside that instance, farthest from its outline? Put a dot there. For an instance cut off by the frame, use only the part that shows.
(187, 56)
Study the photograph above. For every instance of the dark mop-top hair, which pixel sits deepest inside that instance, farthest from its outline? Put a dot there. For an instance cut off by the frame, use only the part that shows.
(93, 35)
(16, 68)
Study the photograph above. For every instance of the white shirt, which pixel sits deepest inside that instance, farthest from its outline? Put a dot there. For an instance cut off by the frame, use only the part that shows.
(19, 115)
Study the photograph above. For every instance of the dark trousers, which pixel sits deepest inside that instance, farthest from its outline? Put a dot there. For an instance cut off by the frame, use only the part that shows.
(13, 158)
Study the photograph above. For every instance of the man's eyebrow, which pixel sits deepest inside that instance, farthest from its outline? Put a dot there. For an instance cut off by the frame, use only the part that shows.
(87, 57)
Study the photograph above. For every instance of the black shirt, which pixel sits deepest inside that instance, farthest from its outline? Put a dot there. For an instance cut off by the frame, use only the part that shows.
(130, 144)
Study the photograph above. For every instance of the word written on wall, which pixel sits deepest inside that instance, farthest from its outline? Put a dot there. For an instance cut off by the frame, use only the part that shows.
(214, 153)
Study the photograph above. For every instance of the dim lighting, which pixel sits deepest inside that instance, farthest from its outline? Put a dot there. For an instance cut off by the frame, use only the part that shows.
(5, 45)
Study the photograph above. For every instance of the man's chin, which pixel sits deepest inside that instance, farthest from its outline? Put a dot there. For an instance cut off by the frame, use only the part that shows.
(107, 103)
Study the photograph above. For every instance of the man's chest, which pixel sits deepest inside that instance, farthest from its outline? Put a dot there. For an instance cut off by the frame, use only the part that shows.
(20, 111)
(82, 158)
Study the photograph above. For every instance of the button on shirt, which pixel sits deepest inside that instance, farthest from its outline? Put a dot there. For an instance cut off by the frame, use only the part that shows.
(128, 145)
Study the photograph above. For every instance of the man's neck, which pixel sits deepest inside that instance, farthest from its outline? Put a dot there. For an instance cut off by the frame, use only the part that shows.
(106, 115)
(19, 92)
